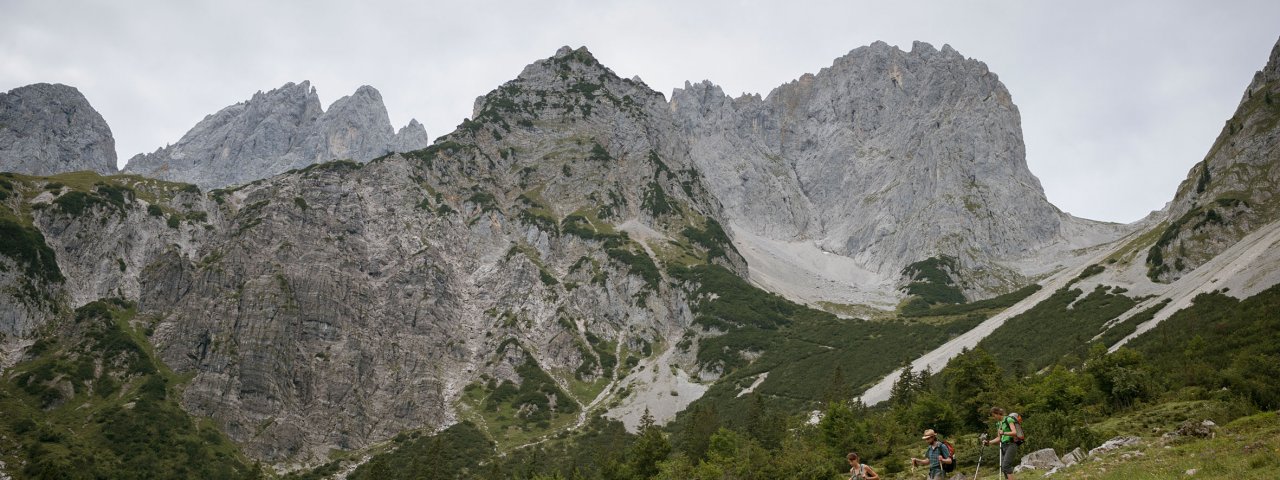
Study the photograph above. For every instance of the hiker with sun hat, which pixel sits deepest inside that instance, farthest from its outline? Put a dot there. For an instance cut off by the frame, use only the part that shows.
(935, 456)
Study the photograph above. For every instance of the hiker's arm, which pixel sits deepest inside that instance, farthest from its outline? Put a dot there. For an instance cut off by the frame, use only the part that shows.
(871, 474)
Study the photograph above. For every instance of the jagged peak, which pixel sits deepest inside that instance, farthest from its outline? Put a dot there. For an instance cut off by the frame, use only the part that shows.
(365, 95)
(1269, 74)
(567, 63)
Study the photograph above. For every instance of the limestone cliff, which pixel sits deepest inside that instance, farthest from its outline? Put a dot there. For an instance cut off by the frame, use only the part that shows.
(886, 157)
(276, 131)
(340, 304)
(51, 128)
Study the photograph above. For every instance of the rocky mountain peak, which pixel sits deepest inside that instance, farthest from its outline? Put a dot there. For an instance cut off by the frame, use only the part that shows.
(1270, 73)
(411, 137)
(1231, 192)
(47, 129)
(275, 131)
(885, 157)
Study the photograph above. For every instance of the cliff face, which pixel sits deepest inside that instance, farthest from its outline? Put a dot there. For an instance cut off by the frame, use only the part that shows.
(1233, 191)
(886, 157)
(338, 305)
(276, 131)
(47, 129)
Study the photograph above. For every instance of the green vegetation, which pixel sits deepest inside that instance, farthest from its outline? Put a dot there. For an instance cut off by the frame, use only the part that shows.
(113, 197)
(1061, 325)
(656, 201)
(617, 245)
(1117, 332)
(931, 283)
(26, 246)
(711, 237)
(455, 452)
(997, 303)
(91, 401)
(599, 154)
(484, 200)
(537, 399)
(1202, 215)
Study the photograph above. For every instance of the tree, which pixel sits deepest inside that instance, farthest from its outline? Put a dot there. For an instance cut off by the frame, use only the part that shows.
(974, 384)
(703, 423)
(649, 450)
(764, 424)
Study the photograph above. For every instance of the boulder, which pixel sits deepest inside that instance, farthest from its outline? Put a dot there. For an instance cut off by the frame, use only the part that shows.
(1074, 457)
(1114, 443)
(1043, 459)
(1192, 428)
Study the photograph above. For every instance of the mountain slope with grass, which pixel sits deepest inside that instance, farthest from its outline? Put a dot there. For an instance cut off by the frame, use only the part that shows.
(559, 289)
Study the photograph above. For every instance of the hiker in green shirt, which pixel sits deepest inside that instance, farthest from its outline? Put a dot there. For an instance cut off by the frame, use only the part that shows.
(1005, 437)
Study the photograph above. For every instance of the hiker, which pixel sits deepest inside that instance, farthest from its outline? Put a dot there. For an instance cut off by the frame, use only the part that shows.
(859, 470)
(1005, 437)
(934, 456)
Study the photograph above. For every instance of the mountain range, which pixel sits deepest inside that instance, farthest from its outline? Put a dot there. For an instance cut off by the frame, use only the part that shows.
(581, 246)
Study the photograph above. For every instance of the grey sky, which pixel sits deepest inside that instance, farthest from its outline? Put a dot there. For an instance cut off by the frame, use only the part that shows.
(1118, 99)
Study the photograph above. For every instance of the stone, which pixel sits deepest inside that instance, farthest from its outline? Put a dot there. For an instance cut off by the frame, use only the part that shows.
(1112, 444)
(276, 131)
(1042, 459)
(1192, 428)
(46, 129)
(1073, 457)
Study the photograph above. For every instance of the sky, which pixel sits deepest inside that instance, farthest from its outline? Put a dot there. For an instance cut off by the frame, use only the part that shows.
(1118, 99)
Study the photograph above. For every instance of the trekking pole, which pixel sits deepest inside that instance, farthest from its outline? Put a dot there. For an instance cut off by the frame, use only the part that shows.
(982, 449)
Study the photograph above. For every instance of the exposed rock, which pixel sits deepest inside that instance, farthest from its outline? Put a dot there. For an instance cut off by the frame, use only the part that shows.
(1114, 443)
(410, 137)
(277, 131)
(46, 129)
(1192, 428)
(336, 306)
(886, 157)
(1074, 457)
(1232, 192)
(1043, 459)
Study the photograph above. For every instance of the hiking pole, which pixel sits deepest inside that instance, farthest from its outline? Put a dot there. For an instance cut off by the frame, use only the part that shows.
(982, 449)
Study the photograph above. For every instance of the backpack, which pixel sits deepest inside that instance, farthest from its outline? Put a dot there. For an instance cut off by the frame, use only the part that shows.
(951, 453)
(1015, 421)
(861, 474)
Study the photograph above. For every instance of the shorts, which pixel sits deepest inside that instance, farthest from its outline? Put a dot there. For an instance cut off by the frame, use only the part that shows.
(1008, 457)
(939, 475)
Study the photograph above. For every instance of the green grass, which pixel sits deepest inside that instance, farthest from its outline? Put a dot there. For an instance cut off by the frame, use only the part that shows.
(1243, 449)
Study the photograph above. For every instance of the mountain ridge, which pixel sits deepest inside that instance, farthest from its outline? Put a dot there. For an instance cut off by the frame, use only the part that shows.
(278, 130)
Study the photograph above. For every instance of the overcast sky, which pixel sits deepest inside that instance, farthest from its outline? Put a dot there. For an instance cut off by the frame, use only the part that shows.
(1118, 99)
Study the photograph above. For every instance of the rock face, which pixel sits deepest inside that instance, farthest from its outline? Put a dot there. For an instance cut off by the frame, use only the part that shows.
(1233, 191)
(887, 157)
(47, 129)
(277, 131)
(338, 305)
